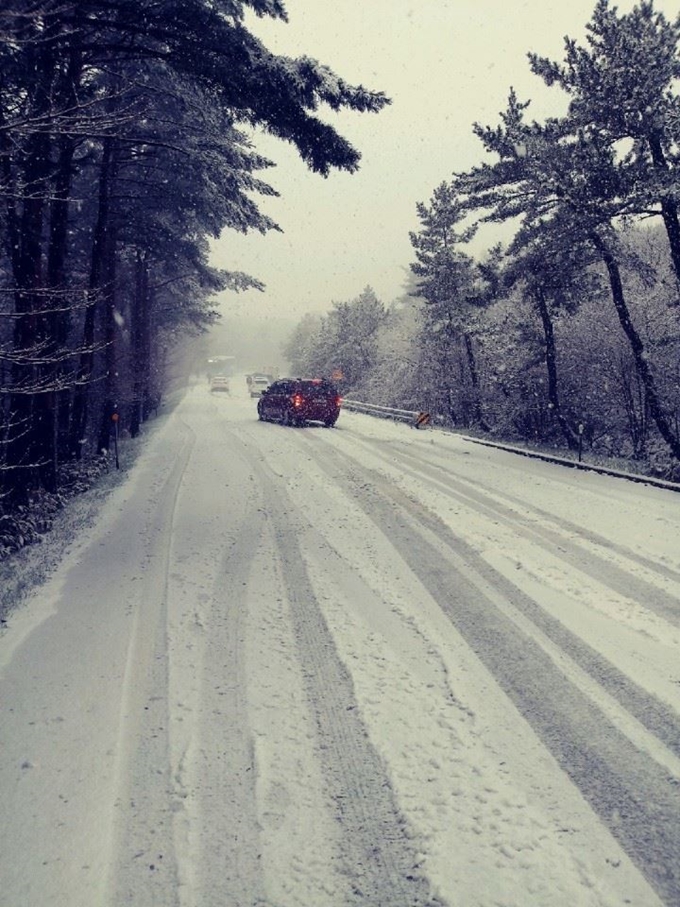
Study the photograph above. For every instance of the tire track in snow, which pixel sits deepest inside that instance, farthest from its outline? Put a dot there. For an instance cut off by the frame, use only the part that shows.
(143, 867)
(656, 716)
(558, 540)
(214, 799)
(637, 799)
(378, 856)
(216, 776)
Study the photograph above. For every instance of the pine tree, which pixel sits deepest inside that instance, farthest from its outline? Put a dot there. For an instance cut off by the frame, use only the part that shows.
(451, 284)
(123, 146)
(623, 86)
(568, 187)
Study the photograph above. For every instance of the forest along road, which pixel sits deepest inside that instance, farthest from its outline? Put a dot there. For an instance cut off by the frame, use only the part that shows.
(361, 666)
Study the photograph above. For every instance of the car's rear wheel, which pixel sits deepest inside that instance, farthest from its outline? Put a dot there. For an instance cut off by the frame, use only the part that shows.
(329, 423)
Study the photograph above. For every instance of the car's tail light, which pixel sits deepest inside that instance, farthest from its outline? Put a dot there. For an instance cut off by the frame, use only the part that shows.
(298, 401)
(338, 401)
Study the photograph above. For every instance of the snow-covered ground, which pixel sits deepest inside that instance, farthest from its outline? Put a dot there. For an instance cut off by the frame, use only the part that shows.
(368, 665)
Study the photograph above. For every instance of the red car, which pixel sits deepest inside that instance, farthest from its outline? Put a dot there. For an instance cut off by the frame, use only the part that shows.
(295, 401)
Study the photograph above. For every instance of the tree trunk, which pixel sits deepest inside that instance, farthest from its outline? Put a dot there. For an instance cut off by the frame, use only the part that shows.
(56, 279)
(101, 274)
(669, 208)
(57, 320)
(551, 367)
(474, 380)
(110, 383)
(637, 347)
(141, 342)
(30, 447)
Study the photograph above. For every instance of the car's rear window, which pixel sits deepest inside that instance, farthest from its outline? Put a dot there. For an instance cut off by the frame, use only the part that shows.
(317, 389)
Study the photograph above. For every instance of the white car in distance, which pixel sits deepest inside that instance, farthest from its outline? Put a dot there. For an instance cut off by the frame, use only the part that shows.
(258, 384)
(219, 383)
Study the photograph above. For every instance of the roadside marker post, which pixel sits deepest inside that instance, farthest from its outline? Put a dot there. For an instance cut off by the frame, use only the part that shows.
(114, 418)
(422, 420)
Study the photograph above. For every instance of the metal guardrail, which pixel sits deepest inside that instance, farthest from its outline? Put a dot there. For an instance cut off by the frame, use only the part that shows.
(384, 412)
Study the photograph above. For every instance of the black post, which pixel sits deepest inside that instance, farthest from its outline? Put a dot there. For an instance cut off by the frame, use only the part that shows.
(114, 418)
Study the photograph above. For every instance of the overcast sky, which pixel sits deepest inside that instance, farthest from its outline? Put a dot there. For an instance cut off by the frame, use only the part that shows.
(445, 64)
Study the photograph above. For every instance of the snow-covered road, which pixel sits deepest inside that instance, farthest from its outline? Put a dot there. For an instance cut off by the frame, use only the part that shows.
(368, 665)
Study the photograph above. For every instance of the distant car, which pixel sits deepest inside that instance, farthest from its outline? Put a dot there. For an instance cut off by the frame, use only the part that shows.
(219, 383)
(258, 384)
(295, 401)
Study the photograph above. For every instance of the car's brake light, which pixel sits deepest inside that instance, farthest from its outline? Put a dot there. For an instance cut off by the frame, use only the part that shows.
(338, 401)
(298, 401)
